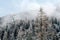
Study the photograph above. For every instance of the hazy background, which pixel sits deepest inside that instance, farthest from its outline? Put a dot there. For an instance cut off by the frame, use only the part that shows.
(8, 7)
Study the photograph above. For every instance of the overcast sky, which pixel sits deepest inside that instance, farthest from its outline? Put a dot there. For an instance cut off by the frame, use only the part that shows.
(16, 6)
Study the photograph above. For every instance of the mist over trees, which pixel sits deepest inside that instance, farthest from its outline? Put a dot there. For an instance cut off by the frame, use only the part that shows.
(41, 28)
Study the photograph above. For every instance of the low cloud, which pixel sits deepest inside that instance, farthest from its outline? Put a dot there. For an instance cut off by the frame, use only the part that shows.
(30, 10)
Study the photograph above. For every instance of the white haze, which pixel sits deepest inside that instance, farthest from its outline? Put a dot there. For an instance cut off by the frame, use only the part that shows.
(30, 10)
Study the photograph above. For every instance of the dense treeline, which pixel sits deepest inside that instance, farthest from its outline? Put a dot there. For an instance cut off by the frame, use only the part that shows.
(27, 31)
(40, 29)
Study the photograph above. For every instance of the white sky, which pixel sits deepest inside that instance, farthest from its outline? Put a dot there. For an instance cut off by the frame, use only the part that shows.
(16, 6)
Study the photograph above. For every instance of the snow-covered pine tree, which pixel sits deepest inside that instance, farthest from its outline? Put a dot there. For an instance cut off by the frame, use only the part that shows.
(43, 26)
